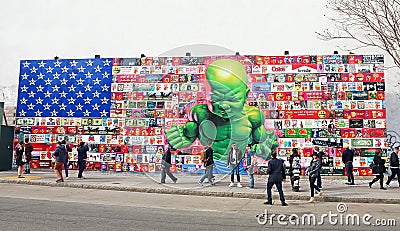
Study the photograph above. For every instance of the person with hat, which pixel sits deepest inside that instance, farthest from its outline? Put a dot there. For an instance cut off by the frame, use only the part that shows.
(313, 171)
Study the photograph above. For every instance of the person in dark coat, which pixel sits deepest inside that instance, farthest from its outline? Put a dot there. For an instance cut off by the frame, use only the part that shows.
(61, 154)
(209, 164)
(166, 165)
(19, 151)
(320, 155)
(233, 161)
(276, 172)
(28, 156)
(378, 170)
(82, 156)
(347, 159)
(394, 166)
(294, 170)
(313, 172)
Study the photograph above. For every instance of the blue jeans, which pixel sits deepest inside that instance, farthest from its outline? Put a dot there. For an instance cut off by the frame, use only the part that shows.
(319, 181)
(233, 168)
(207, 174)
(349, 170)
(81, 164)
(279, 186)
(165, 171)
(66, 168)
(251, 176)
(28, 166)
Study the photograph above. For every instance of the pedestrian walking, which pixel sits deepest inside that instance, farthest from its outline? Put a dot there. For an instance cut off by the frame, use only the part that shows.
(82, 156)
(378, 169)
(313, 172)
(66, 163)
(61, 154)
(233, 163)
(295, 170)
(276, 173)
(394, 166)
(28, 155)
(20, 158)
(347, 159)
(209, 164)
(320, 155)
(166, 165)
(250, 163)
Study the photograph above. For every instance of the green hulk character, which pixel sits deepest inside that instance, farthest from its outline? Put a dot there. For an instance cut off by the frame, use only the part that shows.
(227, 119)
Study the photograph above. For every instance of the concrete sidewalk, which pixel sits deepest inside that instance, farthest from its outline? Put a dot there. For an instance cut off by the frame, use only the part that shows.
(335, 189)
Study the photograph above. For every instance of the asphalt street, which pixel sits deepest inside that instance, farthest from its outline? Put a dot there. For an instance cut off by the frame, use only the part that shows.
(33, 207)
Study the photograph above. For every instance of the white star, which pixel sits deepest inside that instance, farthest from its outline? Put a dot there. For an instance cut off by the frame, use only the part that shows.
(31, 94)
(96, 94)
(88, 75)
(72, 88)
(49, 69)
(88, 87)
(79, 94)
(81, 69)
(39, 88)
(103, 113)
(62, 107)
(54, 112)
(97, 81)
(96, 107)
(73, 63)
(22, 113)
(55, 88)
(105, 87)
(64, 69)
(106, 62)
(47, 106)
(79, 107)
(56, 75)
(54, 100)
(40, 76)
(23, 100)
(48, 81)
(105, 75)
(32, 82)
(72, 75)
(39, 101)
(89, 63)
(70, 113)
(47, 94)
(26, 64)
(24, 88)
(71, 100)
(38, 113)
(63, 94)
(64, 82)
(87, 100)
(97, 69)
(31, 106)
(80, 81)
(86, 113)
(104, 100)
(57, 63)
(33, 70)
(24, 76)
(41, 64)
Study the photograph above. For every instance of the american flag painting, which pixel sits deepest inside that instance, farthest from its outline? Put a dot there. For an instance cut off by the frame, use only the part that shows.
(65, 88)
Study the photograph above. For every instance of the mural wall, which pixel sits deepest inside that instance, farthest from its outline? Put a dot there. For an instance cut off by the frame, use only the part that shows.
(128, 108)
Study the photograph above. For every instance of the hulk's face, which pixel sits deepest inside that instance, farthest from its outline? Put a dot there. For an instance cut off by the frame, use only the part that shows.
(228, 102)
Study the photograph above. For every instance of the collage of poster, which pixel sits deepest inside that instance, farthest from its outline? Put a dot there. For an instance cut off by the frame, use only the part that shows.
(306, 101)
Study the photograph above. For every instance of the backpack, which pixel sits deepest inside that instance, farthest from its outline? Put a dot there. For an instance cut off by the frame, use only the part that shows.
(203, 157)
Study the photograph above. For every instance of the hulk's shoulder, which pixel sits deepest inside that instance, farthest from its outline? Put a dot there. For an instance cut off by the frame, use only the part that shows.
(199, 112)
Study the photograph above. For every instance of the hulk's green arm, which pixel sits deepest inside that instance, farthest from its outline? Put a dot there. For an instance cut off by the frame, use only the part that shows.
(183, 136)
(256, 118)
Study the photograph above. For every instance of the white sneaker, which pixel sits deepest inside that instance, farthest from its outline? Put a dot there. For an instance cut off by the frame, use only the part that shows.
(311, 200)
(231, 184)
(239, 185)
(67, 178)
(320, 193)
(388, 186)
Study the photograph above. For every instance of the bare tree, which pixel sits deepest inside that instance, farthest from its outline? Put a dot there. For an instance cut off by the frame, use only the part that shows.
(372, 23)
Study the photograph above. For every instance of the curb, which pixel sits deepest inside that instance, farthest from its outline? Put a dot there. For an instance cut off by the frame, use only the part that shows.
(201, 193)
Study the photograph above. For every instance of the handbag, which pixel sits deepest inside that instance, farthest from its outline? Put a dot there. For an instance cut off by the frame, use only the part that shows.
(24, 158)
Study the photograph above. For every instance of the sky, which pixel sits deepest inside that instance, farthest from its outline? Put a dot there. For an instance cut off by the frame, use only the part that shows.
(42, 29)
